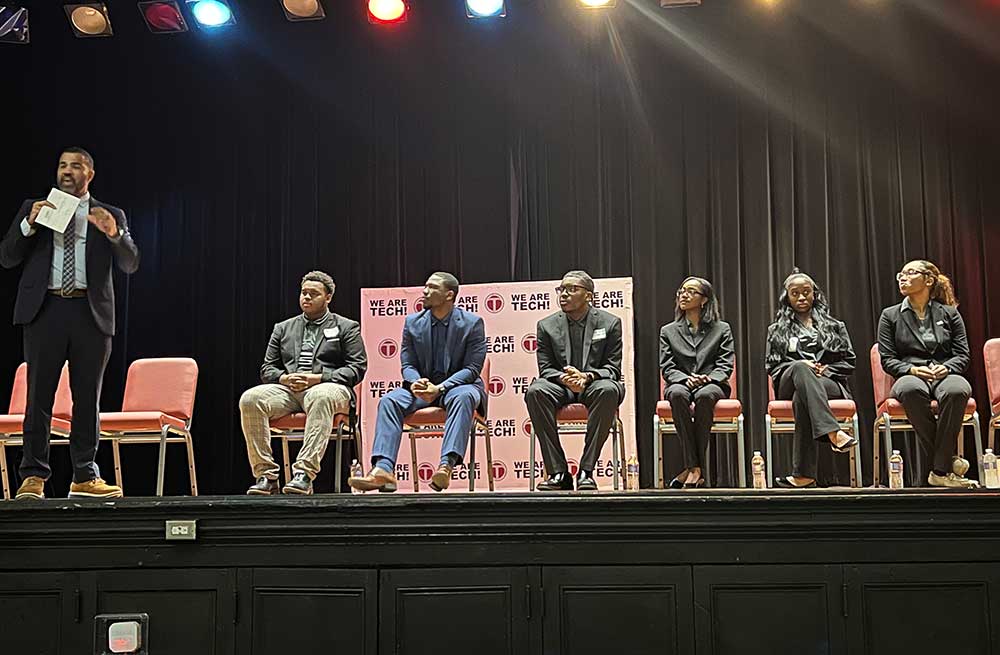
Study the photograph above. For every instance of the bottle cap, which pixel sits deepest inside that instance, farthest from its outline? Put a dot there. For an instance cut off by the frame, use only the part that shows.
(895, 452)
(989, 450)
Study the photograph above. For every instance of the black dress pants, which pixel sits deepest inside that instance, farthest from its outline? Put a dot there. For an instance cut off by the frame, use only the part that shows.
(544, 397)
(693, 431)
(810, 395)
(64, 330)
(938, 437)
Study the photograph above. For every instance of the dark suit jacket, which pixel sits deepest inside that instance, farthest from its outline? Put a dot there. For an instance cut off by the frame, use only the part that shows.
(36, 254)
(840, 364)
(465, 354)
(339, 355)
(603, 353)
(680, 358)
(901, 347)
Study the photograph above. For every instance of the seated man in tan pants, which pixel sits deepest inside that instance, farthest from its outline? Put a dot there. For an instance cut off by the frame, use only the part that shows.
(312, 364)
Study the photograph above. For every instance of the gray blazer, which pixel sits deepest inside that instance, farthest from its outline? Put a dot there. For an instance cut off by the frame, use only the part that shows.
(340, 353)
(603, 354)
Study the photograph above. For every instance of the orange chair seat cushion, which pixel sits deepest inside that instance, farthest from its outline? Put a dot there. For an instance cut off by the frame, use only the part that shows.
(843, 410)
(432, 416)
(726, 409)
(138, 421)
(11, 423)
(895, 408)
(297, 421)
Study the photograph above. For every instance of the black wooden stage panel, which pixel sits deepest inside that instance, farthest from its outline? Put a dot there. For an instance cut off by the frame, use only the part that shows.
(650, 572)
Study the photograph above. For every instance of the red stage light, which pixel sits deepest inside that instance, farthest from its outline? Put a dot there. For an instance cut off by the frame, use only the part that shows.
(387, 11)
(163, 17)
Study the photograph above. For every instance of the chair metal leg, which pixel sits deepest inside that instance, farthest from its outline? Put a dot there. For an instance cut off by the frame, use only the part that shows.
(471, 468)
(118, 464)
(887, 435)
(770, 459)
(489, 454)
(623, 450)
(616, 461)
(658, 474)
(162, 465)
(189, 442)
(531, 460)
(992, 434)
(339, 459)
(413, 463)
(856, 471)
(976, 429)
(741, 455)
(287, 457)
(3, 470)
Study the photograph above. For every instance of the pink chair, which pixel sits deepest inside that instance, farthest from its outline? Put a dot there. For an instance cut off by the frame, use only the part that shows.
(345, 426)
(991, 353)
(12, 423)
(889, 414)
(429, 422)
(728, 419)
(158, 403)
(780, 418)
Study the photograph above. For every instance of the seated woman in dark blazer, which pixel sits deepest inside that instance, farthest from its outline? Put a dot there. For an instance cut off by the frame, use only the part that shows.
(696, 360)
(810, 361)
(923, 345)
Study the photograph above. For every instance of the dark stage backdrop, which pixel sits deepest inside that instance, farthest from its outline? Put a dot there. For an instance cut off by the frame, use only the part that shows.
(730, 141)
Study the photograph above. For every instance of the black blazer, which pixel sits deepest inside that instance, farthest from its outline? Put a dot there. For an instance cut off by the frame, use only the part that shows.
(339, 355)
(680, 358)
(840, 364)
(901, 348)
(36, 254)
(602, 343)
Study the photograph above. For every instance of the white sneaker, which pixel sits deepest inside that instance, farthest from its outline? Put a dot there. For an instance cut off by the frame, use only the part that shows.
(951, 480)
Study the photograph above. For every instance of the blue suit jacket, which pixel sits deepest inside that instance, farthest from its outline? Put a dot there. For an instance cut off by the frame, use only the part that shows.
(464, 356)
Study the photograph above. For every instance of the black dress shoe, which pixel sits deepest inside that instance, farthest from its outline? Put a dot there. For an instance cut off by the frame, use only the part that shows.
(264, 486)
(785, 483)
(695, 485)
(556, 482)
(299, 484)
(678, 483)
(585, 481)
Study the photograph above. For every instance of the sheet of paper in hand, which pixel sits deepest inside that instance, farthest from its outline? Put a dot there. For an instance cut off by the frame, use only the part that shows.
(57, 219)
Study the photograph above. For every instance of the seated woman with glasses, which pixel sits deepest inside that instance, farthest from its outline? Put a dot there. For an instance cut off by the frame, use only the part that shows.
(810, 360)
(696, 360)
(923, 345)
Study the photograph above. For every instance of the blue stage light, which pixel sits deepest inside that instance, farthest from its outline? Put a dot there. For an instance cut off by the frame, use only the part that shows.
(212, 13)
(485, 8)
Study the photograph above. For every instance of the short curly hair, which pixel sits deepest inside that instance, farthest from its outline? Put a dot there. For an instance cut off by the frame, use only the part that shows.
(322, 278)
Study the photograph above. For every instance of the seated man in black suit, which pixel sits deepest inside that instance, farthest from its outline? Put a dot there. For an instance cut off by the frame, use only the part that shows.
(579, 361)
(312, 364)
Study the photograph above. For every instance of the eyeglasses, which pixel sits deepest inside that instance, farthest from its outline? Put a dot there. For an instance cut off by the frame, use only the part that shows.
(688, 292)
(569, 289)
(911, 272)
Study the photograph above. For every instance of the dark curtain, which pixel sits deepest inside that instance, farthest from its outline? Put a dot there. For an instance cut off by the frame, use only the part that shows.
(731, 141)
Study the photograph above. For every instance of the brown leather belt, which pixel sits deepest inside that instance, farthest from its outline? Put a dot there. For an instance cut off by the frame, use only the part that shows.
(75, 293)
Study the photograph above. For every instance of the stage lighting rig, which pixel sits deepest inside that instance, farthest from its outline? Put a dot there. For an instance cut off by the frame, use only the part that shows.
(485, 8)
(210, 14)
(298, 10)
(14, 24)
(163, 17)
(382, 12)
(89, 19)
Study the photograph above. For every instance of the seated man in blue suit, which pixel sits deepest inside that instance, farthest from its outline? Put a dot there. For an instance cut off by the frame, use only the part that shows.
(444, 349)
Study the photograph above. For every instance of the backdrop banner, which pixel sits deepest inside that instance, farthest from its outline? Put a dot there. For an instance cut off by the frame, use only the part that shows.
(510, 311)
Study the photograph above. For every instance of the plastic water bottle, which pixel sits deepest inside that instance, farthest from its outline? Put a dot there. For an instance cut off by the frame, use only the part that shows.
(991, 476)
(632, 473)
(896, 470)
(759, 471)
(356, 472)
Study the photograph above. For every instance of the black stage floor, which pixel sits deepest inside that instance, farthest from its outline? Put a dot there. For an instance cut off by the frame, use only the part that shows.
(829, 570)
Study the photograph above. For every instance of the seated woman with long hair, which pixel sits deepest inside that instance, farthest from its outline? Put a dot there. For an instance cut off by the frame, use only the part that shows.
(923, 345)
(810, 361)
(696, 360)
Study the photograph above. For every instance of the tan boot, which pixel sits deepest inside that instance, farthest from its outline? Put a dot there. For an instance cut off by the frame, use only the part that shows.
(32, 487)
(441, 478)
(376, 480)
(96, 488)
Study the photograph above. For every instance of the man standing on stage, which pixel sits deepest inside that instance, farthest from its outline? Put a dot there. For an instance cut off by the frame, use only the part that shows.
(579, 361)
(312, 364)
(443, 352)
(66, 303)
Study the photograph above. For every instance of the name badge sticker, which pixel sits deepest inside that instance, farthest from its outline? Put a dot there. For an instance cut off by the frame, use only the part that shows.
(331, 333)
(793, 344)
(599, 333)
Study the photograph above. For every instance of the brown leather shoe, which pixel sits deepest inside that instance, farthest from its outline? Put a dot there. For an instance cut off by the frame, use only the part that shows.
(441, 478)
(376, 480)
(96, 488)
(32, 487)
